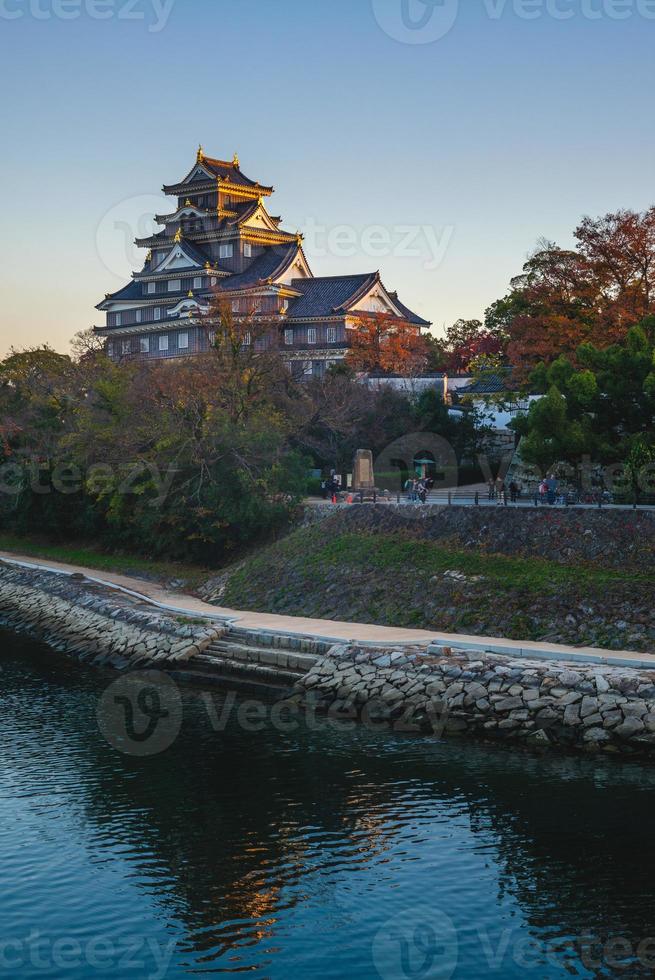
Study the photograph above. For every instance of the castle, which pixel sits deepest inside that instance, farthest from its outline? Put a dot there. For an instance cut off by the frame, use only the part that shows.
(220, 240)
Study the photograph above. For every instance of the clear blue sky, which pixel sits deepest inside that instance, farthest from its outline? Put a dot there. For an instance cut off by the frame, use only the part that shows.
(502, 130)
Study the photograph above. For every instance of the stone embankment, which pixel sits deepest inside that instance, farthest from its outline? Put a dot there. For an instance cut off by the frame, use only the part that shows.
(455, 692)
(108, 628)
(432, 689)
(76, 617)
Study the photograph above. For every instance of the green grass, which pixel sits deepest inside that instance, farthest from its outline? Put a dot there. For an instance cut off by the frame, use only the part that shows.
(392, 554)
(86, 555)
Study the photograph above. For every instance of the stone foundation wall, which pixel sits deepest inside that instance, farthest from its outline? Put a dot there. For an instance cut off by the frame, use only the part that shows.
(96, 625)
(533, 702)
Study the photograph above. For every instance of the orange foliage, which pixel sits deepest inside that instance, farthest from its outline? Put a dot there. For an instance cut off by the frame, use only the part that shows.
(385, 344)
(594, 293)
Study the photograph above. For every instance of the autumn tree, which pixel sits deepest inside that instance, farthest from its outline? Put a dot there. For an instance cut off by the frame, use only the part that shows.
(592, 293)
(468, 341)
(383, 344)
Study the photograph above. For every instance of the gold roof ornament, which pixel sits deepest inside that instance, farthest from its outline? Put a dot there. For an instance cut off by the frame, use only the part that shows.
(187, 203)
(235, 161)
(207, 265)
(149, 255)
(190, 294)
(201, 155)
(178, 235)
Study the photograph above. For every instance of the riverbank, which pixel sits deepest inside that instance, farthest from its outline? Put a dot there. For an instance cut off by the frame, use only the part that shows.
(566, 578)
(421, 684)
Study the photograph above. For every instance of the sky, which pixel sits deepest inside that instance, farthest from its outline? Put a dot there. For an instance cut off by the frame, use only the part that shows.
(434, 140)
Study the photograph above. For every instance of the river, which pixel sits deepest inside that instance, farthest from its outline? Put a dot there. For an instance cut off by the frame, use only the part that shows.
(281, 848)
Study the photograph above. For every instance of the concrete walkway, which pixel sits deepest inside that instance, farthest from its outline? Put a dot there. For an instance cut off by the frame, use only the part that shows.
(335, 631)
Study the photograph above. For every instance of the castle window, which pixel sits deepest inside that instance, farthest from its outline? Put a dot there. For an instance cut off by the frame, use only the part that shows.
(247, 250)
(174, 285)
(126, 347)
(288, 337)
(247, 339)
(311, 335)
(226, 251)
(157, 313)
(235, 305)
(163, 342)
(138, 316)
(213, 281)
(331, 335)
(117, 319)
(197, 282)
(152, 286)
(144, 345)
(183, 341)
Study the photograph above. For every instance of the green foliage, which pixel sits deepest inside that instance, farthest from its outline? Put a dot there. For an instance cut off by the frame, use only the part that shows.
(193, 460)
(602, 406)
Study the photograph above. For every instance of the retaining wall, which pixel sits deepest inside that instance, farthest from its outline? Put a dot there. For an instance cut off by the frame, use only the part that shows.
(533, 702)
(75, 617)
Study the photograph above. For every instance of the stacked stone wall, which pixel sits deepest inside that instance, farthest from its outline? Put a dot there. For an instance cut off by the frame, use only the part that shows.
(533, 702)
(105, 628)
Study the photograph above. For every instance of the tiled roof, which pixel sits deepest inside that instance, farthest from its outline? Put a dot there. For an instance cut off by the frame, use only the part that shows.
(324, 296)
(221, 168)
(244, 211)
(489, 384)
(133, 290)
(273, 262)
(193, 252)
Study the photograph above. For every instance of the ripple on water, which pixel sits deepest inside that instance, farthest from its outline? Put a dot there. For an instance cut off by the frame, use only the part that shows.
(306, 855)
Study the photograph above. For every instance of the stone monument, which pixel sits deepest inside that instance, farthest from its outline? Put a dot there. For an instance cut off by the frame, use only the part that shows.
(363, 475)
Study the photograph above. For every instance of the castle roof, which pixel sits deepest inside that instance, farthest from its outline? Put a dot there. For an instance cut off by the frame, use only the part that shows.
(335, 295)
(218, 170)
(231, 172)
(329, 295)
(271, 264)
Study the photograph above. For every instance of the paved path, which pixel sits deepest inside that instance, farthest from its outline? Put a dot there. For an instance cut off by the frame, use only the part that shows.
(334, 630)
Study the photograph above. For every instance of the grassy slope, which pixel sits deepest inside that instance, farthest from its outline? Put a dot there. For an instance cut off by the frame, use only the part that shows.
(88, 556)
(390, 579)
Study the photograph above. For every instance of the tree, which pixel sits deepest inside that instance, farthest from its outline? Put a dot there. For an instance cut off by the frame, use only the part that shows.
(590, 294)
(384, 344)
(600, 403)
(467, 341)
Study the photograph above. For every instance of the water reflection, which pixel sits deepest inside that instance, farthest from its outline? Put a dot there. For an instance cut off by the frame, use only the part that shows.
(298, 854)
